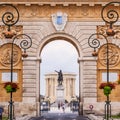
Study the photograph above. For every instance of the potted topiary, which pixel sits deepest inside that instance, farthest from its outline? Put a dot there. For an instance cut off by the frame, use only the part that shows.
(107, 87)
(10, 87)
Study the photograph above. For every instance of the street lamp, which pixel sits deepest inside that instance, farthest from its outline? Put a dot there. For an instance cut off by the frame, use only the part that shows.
(10, 19)
(94, 42)
(110, 17)
(25, 43)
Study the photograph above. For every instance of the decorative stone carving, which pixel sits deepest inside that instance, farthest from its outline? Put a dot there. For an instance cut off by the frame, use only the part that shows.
(59, 20)
(15, 29)
(5, 55)
(102, 29)
(113, 55)
(84, 10)
(35, 11)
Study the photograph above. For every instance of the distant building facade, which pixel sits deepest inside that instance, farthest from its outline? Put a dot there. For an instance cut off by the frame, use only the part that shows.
(69, 80)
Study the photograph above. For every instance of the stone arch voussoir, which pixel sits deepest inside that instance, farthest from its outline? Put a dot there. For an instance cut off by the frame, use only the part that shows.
(58, 36)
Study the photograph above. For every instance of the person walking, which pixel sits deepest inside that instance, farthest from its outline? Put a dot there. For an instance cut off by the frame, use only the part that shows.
(63, 107)
(58, 106)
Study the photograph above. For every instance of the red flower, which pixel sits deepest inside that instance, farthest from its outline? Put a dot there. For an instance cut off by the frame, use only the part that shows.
(102, 85)
(10, 86)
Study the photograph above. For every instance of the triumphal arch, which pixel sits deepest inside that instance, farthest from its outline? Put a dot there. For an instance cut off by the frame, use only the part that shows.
(73, 21)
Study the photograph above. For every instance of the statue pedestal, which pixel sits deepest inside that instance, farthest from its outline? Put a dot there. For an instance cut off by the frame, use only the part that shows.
(60, 94)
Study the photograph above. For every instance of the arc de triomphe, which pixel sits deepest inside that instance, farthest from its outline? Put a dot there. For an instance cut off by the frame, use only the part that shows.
(72, 21)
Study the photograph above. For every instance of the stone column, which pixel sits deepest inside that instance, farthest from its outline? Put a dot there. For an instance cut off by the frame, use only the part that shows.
(71, 87)
(69, 90)
(38, 61)
(73, 92)
(67, 87)
(46, 87)
(49, 87)
(80, 62)
(54, 88)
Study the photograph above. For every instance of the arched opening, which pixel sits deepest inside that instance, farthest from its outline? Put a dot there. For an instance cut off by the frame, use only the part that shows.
(59, 53)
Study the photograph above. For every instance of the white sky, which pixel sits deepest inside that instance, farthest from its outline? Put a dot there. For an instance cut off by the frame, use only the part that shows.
(58, 55)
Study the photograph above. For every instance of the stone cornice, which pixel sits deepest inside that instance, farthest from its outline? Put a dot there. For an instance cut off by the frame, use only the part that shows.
(42, 10)
(59, 2)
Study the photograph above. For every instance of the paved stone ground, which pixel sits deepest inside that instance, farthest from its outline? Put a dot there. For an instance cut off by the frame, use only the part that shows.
(67, 110)
(64, 116)
(94, 117)
(60, 116)
(23, 117)
(90, 117)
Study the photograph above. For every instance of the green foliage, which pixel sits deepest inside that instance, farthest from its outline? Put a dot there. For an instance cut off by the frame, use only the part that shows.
(4, 118)
(8, 88)
(107, 87)
(116, 116)
(107, 90)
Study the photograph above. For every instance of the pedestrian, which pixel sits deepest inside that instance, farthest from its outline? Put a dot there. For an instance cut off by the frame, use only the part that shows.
(63, 107)
(58, 106)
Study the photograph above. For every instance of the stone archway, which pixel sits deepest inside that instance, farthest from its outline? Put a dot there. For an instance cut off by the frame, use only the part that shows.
(69, 39)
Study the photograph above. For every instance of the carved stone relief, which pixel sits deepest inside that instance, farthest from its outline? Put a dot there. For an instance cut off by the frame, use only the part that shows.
(15, 29)
(35, 11)
(102, 29)
(85, 10)
(59, 20)
(113, 55)
(5, 55)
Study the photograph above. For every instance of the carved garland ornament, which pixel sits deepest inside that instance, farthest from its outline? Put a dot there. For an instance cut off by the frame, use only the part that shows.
(5, 55)
(113, 55)
(15, 29)
(102, 29)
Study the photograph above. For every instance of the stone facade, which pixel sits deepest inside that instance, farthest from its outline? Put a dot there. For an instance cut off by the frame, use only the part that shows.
(83, 17)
